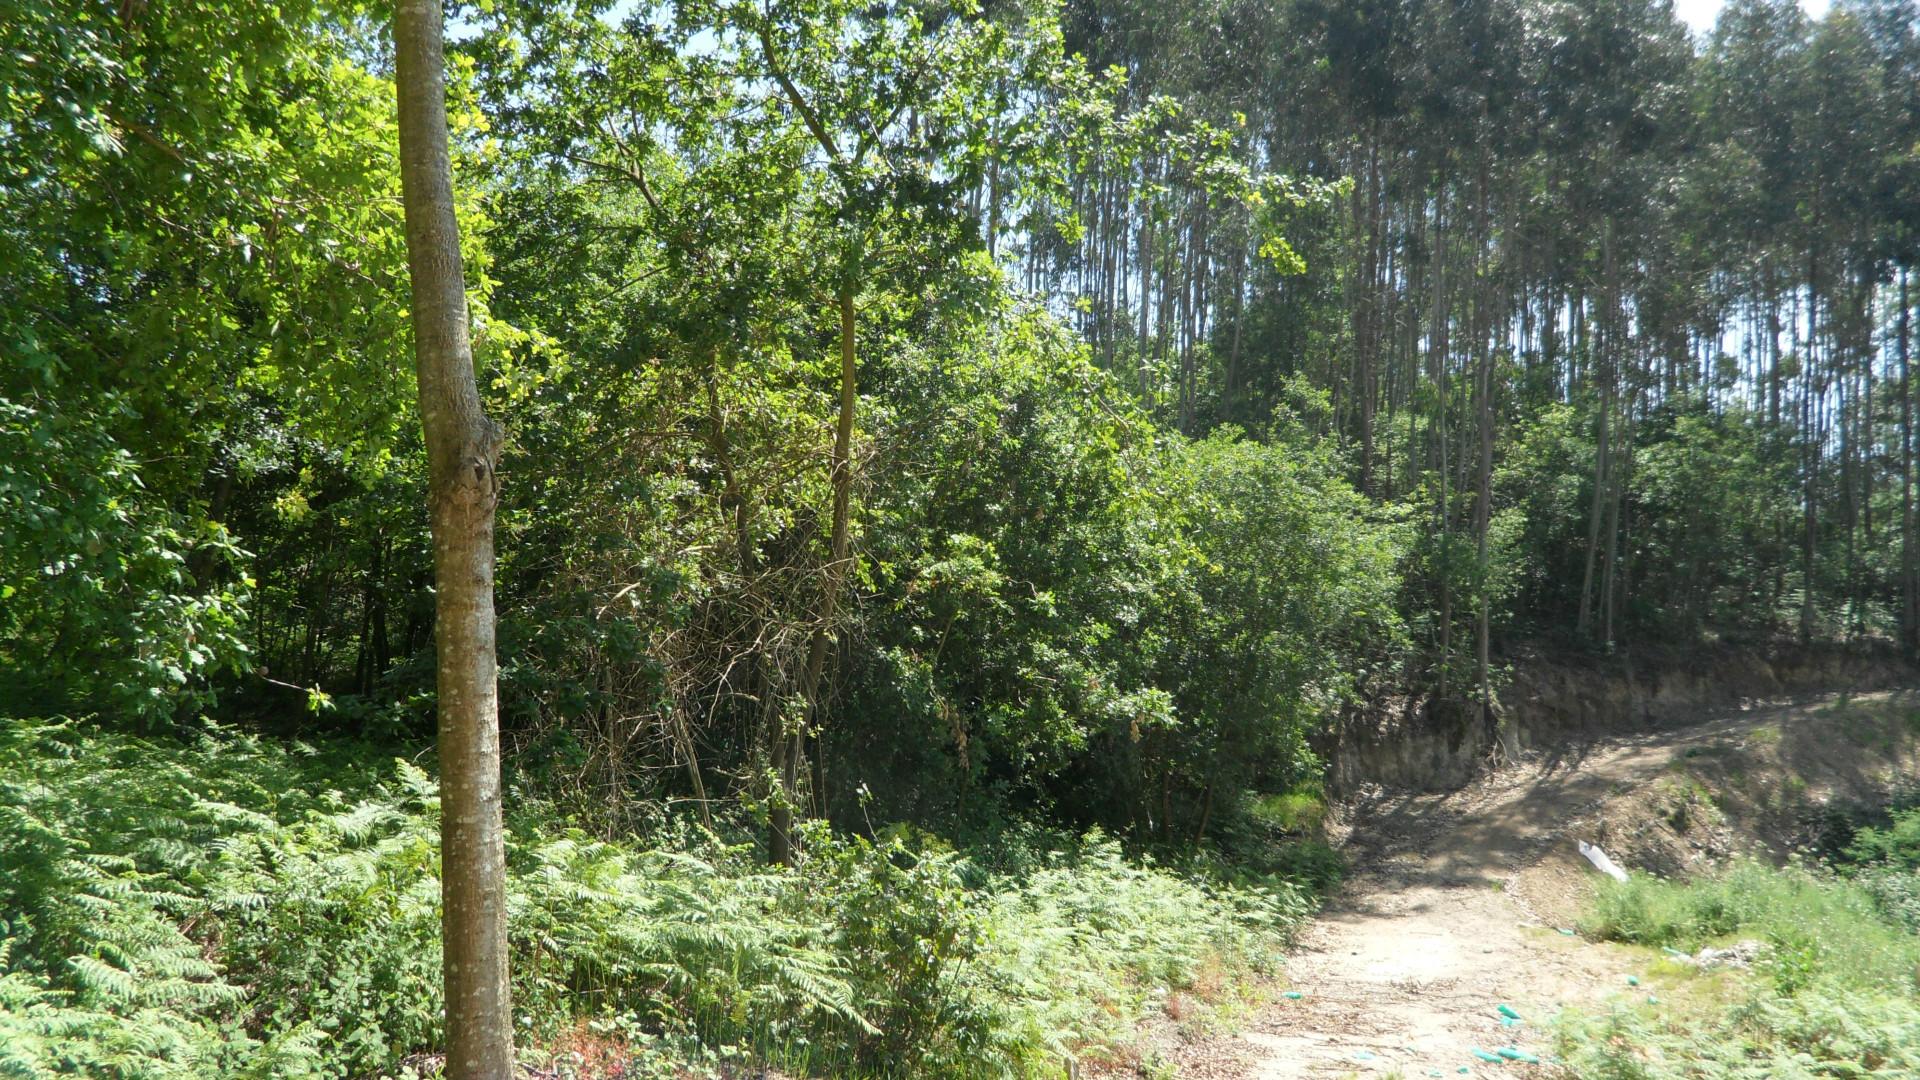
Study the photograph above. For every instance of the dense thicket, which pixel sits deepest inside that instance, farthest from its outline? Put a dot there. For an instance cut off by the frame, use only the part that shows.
(939, 411)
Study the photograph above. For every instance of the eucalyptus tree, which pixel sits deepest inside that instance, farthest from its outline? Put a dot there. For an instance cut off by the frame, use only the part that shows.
(1893, 28)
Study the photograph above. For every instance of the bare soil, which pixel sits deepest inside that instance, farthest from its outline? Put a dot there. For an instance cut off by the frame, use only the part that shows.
(1459, 902)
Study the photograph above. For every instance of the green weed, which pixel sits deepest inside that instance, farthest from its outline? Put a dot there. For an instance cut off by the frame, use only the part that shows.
(1832, 995)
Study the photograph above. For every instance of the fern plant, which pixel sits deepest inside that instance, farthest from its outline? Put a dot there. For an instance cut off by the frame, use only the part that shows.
(218, 906)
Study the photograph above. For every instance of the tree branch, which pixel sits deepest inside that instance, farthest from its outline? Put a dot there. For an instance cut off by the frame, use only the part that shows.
(807, 115)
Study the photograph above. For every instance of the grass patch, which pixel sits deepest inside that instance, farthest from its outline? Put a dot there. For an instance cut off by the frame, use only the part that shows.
(1831, 996)
(1301, 811)
(1794, 908)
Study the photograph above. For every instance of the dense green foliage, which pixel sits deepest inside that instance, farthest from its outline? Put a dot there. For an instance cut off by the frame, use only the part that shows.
(1155, 373)
(1896, 844)
(1885, 861)
(225, 905)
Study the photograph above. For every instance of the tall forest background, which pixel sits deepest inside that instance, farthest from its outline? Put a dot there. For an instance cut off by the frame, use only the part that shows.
(1209, 369)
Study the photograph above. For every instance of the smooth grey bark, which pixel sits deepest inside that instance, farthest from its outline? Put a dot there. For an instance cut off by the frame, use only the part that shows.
(463, 448)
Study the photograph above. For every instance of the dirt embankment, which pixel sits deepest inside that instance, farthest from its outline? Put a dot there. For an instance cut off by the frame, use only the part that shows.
(1552, 701)
(1460, 901)
(1765, 784)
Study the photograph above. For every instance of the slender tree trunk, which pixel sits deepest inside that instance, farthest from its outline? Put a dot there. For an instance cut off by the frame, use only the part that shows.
(1773, 367)
(1483, 486)
(1617, 579)
(1363, 305)
(382, 646)
(1909, 565)
(1601, 471)
(1482, 519)
(1439, 361)
(1146, 296)
(463, 449)
(993, 209)
(1189, 379)
(1810, 449)
(1230, 397)
(788, 744)
(370, 663)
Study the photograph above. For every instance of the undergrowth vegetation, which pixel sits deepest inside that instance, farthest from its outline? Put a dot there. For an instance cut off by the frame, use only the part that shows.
(228, 906)
(1886, 863)
(1832, 992)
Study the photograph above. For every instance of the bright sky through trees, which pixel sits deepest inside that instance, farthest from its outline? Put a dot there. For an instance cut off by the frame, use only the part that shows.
(1699, 14)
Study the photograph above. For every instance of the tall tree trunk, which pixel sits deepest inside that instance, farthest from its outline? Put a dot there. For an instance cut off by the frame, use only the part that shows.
(1773, 368)
(993, 209)
(463, 449)
(1363, 305)
(1185, 308)
(1909, 564)
(1608, 364)
(1230, 396)
(1617, 576)
(1146, 285)
(1810, 448)
(1482, 519)
(788, 744)
(1483, 479)
(1443, 493)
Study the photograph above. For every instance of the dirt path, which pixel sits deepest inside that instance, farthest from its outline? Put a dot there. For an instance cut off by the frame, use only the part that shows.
(1404, 968)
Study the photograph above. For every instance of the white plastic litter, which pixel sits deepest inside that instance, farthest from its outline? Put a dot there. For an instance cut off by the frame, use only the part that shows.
(1740, 954)
(1601, 862)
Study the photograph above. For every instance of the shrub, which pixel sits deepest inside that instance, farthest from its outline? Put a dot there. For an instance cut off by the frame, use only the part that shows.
(1896, 891)
(1898, 844)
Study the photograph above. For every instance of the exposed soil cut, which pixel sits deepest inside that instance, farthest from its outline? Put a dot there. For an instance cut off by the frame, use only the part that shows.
(1458, 901)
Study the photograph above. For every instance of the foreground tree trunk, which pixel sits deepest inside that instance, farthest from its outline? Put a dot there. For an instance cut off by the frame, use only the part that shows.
(463, 447)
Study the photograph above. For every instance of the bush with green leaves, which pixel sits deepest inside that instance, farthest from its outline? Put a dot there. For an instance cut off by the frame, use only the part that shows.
(97, 598)
(1067, 656)
(1291, 587)
(1896, 844)
(1884, 861)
